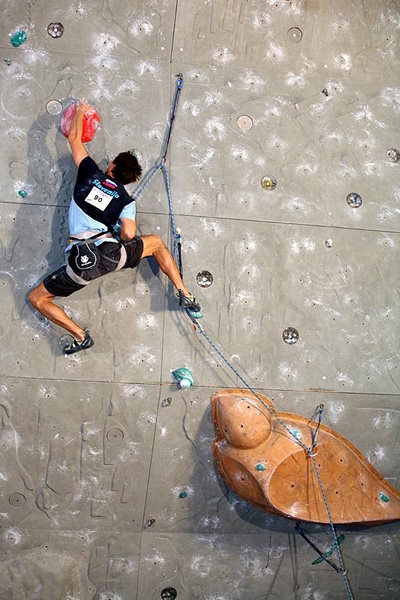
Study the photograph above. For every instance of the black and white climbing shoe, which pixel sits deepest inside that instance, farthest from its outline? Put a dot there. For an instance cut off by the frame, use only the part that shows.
(189, 302)
(76, 346)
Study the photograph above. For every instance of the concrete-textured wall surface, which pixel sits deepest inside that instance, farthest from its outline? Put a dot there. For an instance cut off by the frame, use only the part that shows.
(108, 490)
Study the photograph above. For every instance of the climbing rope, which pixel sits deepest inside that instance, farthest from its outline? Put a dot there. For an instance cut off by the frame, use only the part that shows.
(160, 165)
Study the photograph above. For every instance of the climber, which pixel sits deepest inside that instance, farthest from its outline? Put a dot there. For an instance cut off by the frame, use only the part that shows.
(102, 234)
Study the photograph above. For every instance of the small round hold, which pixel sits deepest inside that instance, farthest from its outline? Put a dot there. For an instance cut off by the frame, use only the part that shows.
(245, 122)
(54, 107)
(7, 61)
(115, 435)
(55, 30)
(17, 500)
(169, 593)
(383, 497)
(18, 38)
(290, 335)
(296, 433)
(183, 495)
(149, 523)
(295, 35)
(260, 467)
(22, 193)
(65, 341)
(325, 92)
(204, 279)
(137, 153)
(354, 200)
(268, 182)
(393, 155)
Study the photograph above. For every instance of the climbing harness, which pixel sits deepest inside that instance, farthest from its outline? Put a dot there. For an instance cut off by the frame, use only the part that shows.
(311, 451)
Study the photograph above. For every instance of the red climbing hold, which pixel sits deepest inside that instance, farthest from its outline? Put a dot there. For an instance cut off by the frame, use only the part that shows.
(91, 120)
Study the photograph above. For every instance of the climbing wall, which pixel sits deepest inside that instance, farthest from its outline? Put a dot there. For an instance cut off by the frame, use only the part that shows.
(284, 167)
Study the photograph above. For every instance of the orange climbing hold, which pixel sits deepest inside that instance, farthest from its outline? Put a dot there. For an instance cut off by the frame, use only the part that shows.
(264, 463)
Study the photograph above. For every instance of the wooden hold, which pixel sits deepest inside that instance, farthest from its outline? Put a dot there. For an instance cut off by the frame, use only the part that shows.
(249, 435)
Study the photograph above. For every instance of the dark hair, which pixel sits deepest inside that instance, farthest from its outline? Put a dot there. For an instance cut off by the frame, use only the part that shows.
(126, 168)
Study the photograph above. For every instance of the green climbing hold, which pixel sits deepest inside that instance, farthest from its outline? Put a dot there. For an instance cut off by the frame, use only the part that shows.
(18, 38)
(296, 433)
(383, 497)
(22, 193)
(260, 467)
(183, 495)
(184, 377)
(195, 315)
(326, 554)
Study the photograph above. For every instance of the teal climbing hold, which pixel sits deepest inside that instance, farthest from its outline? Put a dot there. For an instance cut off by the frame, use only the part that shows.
(383, 497)
(18, 38)
(194, 314)
(329, 552)
(22, 193)
(260, 467)
(296, 433)
(183, 495)
(184, 377)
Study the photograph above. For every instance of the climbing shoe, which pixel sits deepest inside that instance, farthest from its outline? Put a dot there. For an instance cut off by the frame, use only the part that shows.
(189, 302)
(76, 346)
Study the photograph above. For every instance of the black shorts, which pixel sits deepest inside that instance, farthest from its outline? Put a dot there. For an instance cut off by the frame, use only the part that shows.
(60, 283)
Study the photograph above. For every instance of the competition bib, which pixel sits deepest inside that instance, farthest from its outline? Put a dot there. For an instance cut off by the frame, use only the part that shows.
(98, 198)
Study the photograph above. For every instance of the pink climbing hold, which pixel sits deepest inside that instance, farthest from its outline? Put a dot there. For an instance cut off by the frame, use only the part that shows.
(91, 120)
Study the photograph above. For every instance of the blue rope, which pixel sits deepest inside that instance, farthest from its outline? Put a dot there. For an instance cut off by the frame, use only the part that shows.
(176, 236)
(146, 182)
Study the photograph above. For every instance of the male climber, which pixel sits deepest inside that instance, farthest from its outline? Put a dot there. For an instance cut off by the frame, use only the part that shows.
(99, 207)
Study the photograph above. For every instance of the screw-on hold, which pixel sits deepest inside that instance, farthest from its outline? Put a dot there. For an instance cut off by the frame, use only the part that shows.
(296, 433)
(268, 182)
(393, 155)
(55, 30)
(166, 402)
(183, 495)
(22, 193)
(136, 153)
(169, 593)
(295, 35)
(149, 523)
(245, 122)
(383, 497)
(7, 61)
(54, 107)
(184, 377)
(260, 467)
(290, 335)
(354, 200)
(204, 279)
(18, 38)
